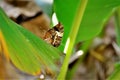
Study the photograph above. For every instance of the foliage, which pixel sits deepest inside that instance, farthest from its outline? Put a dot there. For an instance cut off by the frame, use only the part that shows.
(82, 20)
(26, 51)
(96, 14)
(117, 21)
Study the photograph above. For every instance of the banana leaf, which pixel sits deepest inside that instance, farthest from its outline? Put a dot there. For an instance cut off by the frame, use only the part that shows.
(26, 51)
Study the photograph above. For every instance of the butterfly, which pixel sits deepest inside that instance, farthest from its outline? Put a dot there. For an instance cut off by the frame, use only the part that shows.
(54, 35)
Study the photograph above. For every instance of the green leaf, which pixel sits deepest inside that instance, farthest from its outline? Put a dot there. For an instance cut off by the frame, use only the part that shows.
(72, 37)
(26, 51)
(117, 21)
(96, 14)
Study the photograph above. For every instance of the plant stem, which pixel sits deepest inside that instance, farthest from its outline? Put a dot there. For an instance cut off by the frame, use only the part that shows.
(72, 38)
(84, 48)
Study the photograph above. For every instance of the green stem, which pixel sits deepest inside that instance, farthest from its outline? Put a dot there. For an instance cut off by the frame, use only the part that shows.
(84, 47)
(72, 38)
(117, 25)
